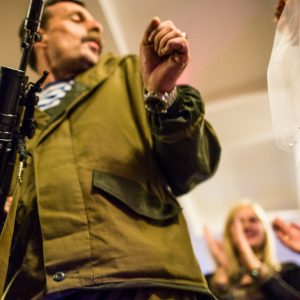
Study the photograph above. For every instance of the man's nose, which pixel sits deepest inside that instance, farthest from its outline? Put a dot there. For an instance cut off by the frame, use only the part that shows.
(94, 25)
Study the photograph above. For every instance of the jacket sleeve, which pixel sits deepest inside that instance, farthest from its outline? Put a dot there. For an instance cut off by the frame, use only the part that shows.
(285, 285)
(185, 144)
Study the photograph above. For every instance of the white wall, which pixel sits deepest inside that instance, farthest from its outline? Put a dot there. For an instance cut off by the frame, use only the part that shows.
(251, 167)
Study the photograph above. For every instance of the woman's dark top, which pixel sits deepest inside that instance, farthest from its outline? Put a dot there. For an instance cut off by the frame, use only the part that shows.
(284, 285)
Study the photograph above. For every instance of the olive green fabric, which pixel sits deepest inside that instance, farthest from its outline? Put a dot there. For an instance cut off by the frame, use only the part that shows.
(134, 196)
(143, 293)
(6, 238)
(99, 196)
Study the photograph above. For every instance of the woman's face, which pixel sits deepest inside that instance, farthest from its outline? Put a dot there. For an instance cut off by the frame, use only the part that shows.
(252, 227)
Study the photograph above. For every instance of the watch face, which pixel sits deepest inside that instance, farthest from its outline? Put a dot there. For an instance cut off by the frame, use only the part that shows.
(156, 105)
(255, 273)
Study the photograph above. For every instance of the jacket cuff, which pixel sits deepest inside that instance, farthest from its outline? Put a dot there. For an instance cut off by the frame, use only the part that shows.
(182, 118)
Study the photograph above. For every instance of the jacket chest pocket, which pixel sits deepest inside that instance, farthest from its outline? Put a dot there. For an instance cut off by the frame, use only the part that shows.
(134, 196)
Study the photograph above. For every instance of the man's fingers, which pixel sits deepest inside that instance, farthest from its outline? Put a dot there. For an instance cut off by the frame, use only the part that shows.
(7, 204)
(165, 37)
(150, 30)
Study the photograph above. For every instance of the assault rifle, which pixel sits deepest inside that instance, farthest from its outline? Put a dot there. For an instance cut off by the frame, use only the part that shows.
(17, 102)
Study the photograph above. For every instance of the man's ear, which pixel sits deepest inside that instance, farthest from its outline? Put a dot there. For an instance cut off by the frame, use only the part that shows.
(43, 43)
(40, 50)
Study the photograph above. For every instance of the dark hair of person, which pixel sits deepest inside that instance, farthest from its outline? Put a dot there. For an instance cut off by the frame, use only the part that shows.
(44, 21)
(279, 9)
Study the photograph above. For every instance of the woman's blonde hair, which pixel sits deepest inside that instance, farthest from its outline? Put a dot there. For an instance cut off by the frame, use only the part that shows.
(268, 250)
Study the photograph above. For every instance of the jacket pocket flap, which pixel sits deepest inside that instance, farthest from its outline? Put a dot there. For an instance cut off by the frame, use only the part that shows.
(134, 196)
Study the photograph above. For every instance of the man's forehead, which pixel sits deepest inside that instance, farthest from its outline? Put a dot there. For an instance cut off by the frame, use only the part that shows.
(66, 7)
(52, 2)
(62, 10)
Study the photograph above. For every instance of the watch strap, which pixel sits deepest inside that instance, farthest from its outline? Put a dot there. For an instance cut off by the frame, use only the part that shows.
(157, 102)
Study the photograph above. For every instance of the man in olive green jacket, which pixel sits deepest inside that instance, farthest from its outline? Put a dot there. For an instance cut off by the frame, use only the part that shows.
(96, 215)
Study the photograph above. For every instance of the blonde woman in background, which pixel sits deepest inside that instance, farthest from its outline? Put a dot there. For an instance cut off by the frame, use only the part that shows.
(246, 267)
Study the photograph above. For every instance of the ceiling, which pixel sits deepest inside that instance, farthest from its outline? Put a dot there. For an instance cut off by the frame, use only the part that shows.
(230, 44)
(230, 40)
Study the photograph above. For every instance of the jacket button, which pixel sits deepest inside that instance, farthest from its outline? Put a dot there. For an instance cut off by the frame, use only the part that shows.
(59, 276)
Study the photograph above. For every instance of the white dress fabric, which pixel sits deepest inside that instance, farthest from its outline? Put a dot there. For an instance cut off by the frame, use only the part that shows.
(284, 79)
